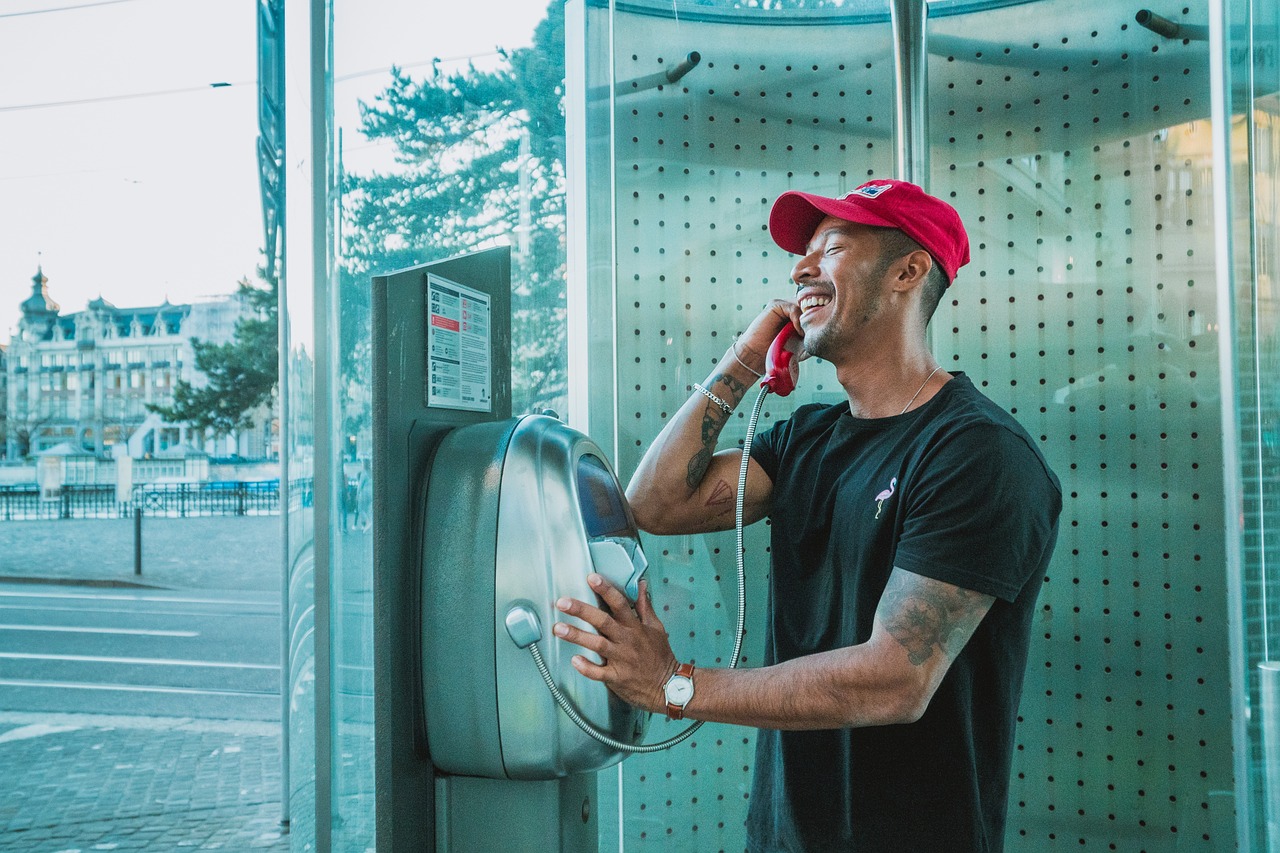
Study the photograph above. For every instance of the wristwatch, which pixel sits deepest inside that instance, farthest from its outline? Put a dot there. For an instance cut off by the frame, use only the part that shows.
(679, 691)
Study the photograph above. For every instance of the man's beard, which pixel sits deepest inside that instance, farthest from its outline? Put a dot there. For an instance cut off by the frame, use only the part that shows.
(825, 342)
(817, 344)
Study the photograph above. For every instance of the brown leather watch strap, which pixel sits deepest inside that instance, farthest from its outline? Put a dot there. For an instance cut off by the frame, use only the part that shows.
(674, 711)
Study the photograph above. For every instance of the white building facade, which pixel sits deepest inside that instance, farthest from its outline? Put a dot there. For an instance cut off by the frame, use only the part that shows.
(83, 381)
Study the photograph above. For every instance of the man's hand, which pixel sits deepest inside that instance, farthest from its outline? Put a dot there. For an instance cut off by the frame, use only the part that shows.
(752, 345)
(632, 643)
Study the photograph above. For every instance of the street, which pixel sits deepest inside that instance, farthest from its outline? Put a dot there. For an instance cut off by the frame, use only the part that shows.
(135, 651)
(140, 712)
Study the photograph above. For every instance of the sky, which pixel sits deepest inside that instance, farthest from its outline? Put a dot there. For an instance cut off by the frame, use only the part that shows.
(125, 173)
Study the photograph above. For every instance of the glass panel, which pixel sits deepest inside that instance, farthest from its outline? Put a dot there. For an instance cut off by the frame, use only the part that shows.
(1253, 45)
(767, 106)
(1074, 143)
(1077, 148)
(448, 138)
(297, 456)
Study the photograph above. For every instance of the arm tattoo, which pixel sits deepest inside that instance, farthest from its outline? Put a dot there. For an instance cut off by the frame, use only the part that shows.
(698, 466)
(713, 420)
(720, 495)
(735, 387)
(923, 614)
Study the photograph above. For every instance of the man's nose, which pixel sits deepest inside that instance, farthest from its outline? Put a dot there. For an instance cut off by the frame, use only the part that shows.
(805, 268)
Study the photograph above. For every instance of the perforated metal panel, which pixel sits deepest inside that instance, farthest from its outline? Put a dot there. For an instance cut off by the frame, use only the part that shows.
(697, 166)
(1090, 312)
(1075, 146)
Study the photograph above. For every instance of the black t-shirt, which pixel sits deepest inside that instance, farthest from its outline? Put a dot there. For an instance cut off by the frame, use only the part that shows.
(956, 491)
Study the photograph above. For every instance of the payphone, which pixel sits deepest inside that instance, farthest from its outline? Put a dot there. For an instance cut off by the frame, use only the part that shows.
(516, 514)
(481, 522)
(527, 508)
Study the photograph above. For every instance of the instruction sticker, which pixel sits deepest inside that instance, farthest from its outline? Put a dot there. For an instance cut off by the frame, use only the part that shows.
(459, 360)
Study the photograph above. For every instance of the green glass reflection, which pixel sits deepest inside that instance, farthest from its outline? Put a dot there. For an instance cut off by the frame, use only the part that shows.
(1078, 148)
(447, 139)
(1253, 45)
(769, 106)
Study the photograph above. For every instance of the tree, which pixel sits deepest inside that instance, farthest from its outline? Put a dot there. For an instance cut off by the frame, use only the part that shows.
(479, 157)
(23, 426)
(241, 373)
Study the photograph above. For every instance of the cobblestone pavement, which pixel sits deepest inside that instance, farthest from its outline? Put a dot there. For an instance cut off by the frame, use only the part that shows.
(75, 783)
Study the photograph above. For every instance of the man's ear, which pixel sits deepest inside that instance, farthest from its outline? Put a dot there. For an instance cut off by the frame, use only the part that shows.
(911, 270)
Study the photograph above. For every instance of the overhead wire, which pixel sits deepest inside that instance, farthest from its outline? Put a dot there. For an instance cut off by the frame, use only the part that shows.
(104, 98)
(62, 8)
(221, 85)
(125, 97)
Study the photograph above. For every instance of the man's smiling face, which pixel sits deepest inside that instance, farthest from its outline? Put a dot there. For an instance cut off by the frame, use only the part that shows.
(838, 285)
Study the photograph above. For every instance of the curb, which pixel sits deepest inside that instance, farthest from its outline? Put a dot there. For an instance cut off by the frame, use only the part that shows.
(99, 582)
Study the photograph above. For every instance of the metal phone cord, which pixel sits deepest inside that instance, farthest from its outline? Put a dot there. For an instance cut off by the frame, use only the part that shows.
(739, 631)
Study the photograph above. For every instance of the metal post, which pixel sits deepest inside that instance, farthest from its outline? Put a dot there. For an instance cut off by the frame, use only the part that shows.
(1269, 706)
(137, 540)
(911, 90)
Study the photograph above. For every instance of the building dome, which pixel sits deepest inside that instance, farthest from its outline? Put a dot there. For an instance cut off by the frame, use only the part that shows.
(39, 303)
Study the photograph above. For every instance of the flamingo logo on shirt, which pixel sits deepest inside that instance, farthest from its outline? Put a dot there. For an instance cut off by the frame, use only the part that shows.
(885, 495)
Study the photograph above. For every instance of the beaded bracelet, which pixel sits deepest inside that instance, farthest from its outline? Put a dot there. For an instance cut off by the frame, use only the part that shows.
(713, 398)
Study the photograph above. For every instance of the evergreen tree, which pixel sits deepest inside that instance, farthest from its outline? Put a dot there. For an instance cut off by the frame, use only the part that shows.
(241, 373)
(479, 157)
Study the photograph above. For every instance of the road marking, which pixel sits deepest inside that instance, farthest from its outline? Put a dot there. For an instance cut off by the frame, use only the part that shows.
(105, 596)
(34, 731)
(149, 723)
(272, 613)
(132, 688)
(72, 629)
(144, 661)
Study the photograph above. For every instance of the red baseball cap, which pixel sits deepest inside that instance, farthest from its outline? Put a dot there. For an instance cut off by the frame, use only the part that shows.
(887, 203)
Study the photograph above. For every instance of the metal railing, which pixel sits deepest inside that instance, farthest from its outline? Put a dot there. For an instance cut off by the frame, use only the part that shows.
(159, 500)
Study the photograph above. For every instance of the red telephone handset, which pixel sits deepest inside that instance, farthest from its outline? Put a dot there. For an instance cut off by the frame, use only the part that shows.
(781, 367)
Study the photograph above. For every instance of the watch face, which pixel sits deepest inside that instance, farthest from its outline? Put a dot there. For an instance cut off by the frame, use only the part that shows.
(679, 690)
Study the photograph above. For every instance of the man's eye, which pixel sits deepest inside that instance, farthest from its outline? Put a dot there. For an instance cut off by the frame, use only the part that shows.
(832, 250)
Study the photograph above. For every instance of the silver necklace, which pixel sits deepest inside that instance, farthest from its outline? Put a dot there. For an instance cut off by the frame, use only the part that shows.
(921, 388)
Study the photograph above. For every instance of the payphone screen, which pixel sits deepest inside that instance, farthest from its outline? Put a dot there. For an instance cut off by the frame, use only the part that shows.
(602, 509)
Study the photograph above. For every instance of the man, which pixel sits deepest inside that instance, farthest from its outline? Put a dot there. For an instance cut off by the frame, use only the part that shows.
(911, 527)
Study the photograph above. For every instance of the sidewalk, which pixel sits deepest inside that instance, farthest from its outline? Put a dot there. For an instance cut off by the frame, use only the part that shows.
(75, 783)
(240, 552)
(78, 782)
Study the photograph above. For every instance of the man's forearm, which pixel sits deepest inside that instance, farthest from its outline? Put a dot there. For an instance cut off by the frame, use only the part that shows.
(921, 626)
(844, 688)
(711, 418)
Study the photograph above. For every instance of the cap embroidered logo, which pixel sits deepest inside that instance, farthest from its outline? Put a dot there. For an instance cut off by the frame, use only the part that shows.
(872, 190)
